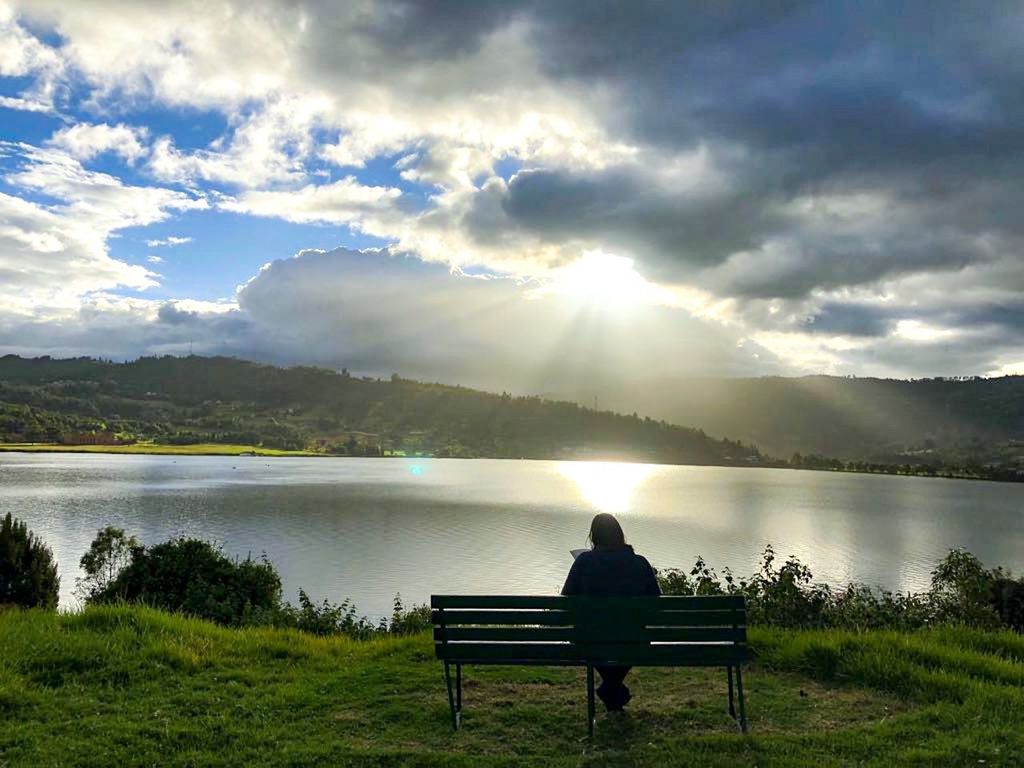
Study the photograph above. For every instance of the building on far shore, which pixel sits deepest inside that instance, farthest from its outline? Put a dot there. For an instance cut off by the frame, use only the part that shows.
(103, 437)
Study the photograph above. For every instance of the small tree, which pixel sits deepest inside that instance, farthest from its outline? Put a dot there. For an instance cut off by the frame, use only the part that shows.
(109, 553)
(28, 575)
(962, 589)
(195, 578)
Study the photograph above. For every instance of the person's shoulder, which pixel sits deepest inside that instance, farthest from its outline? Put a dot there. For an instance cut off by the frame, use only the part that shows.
(643, 560)
(587, 557)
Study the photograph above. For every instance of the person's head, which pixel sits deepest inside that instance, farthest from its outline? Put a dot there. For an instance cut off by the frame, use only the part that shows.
(605, 531)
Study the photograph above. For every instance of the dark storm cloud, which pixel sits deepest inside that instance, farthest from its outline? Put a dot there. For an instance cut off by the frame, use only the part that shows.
(850, 320)
(923, 102)
(625, 208)
(436, 29)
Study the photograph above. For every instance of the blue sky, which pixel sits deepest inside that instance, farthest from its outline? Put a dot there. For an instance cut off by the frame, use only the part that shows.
(516, 194)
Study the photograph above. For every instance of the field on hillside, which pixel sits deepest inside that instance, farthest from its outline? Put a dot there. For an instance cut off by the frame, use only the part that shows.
(132, 686)
(198, 449)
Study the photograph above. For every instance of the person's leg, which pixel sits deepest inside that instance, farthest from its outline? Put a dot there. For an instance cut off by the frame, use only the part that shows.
(612, 691)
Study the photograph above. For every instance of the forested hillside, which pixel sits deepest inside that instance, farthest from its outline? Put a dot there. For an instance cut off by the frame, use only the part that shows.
(181, 400)
(942, 420)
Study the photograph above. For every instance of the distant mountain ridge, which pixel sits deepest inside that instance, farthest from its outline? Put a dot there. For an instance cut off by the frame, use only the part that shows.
(181, 400)
(221, 399)
(888, 420)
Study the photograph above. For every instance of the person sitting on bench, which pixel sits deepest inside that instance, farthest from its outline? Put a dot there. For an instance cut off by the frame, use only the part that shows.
(611, 569)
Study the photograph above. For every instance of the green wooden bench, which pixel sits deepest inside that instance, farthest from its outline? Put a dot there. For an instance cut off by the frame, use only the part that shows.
(590, 631)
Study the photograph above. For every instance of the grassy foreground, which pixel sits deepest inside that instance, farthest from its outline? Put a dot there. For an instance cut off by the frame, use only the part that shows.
(199, 449)
(132, 686)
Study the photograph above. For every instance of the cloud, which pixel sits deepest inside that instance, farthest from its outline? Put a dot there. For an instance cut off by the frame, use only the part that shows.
(811, 174)
(170, 241)
(84, 141)
(23, 55)
(268, 146)
(53, 255)
(341, 202)
(376, 312)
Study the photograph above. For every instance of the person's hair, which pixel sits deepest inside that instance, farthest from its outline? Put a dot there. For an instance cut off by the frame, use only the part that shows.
(605, 531)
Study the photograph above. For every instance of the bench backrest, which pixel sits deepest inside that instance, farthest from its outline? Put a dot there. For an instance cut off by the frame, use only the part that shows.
(633, 631)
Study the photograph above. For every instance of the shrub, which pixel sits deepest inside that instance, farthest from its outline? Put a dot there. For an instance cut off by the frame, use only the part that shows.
(328, 618)
(28, 575)
(193, 577)
(324, 618)
(409, 621)
(962, 591)
(109, 554)
(786, 597)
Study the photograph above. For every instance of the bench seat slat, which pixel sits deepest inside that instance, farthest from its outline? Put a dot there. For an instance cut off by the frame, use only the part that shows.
(596, 620)
(632, 654)
(651, 618)
(496, 617)
(621, 634)
(498, 601)
(506, 634)
(626, 633)
(671, 602)
(512, 652)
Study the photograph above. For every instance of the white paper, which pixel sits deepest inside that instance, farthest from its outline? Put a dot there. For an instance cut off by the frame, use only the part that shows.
(577, 552)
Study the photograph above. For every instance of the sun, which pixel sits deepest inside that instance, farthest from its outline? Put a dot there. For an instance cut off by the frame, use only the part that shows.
(608, 486)
(603, 278)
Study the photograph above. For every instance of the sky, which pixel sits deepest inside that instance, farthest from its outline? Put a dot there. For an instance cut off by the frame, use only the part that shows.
(530, 196)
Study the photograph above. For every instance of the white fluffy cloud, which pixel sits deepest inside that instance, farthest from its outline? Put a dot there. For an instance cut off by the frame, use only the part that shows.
(53, 255)
(168, 241)
(84, 141)
(342, 202)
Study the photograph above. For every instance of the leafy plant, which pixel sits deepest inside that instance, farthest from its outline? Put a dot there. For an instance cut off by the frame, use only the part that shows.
(108, 555)
(28, 575)
(962, 591)
(193, 577)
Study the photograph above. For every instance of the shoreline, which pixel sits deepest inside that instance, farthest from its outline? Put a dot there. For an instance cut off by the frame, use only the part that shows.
(154, 449)
(251, 451)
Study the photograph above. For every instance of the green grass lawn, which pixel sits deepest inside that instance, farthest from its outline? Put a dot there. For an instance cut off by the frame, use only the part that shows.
(199, 449)
(130, 686)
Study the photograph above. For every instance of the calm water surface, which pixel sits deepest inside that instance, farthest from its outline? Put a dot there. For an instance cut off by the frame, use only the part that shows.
(368, 528)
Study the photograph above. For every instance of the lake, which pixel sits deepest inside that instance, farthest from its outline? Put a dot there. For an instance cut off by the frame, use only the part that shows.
(368, 528)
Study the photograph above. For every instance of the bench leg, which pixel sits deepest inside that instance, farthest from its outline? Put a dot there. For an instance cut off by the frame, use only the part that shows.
(451, 696)
(732, 706)
(590, 700)
(743, 710)
(458, 692)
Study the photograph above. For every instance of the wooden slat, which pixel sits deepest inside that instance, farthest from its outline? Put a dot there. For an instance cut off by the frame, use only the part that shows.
(590, 618)
(600, 620)
(624, 634)
(664, 603)
(639, 654)
(500, 601)
(512, 652)
(499, 618)
(505, 634)
(606, 653)
(697, 619)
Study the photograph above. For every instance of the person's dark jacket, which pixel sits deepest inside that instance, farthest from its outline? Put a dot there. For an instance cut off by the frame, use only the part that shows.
(611, 572)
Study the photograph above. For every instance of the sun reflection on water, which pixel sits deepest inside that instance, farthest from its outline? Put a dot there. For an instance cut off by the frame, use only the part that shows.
(608, 486)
